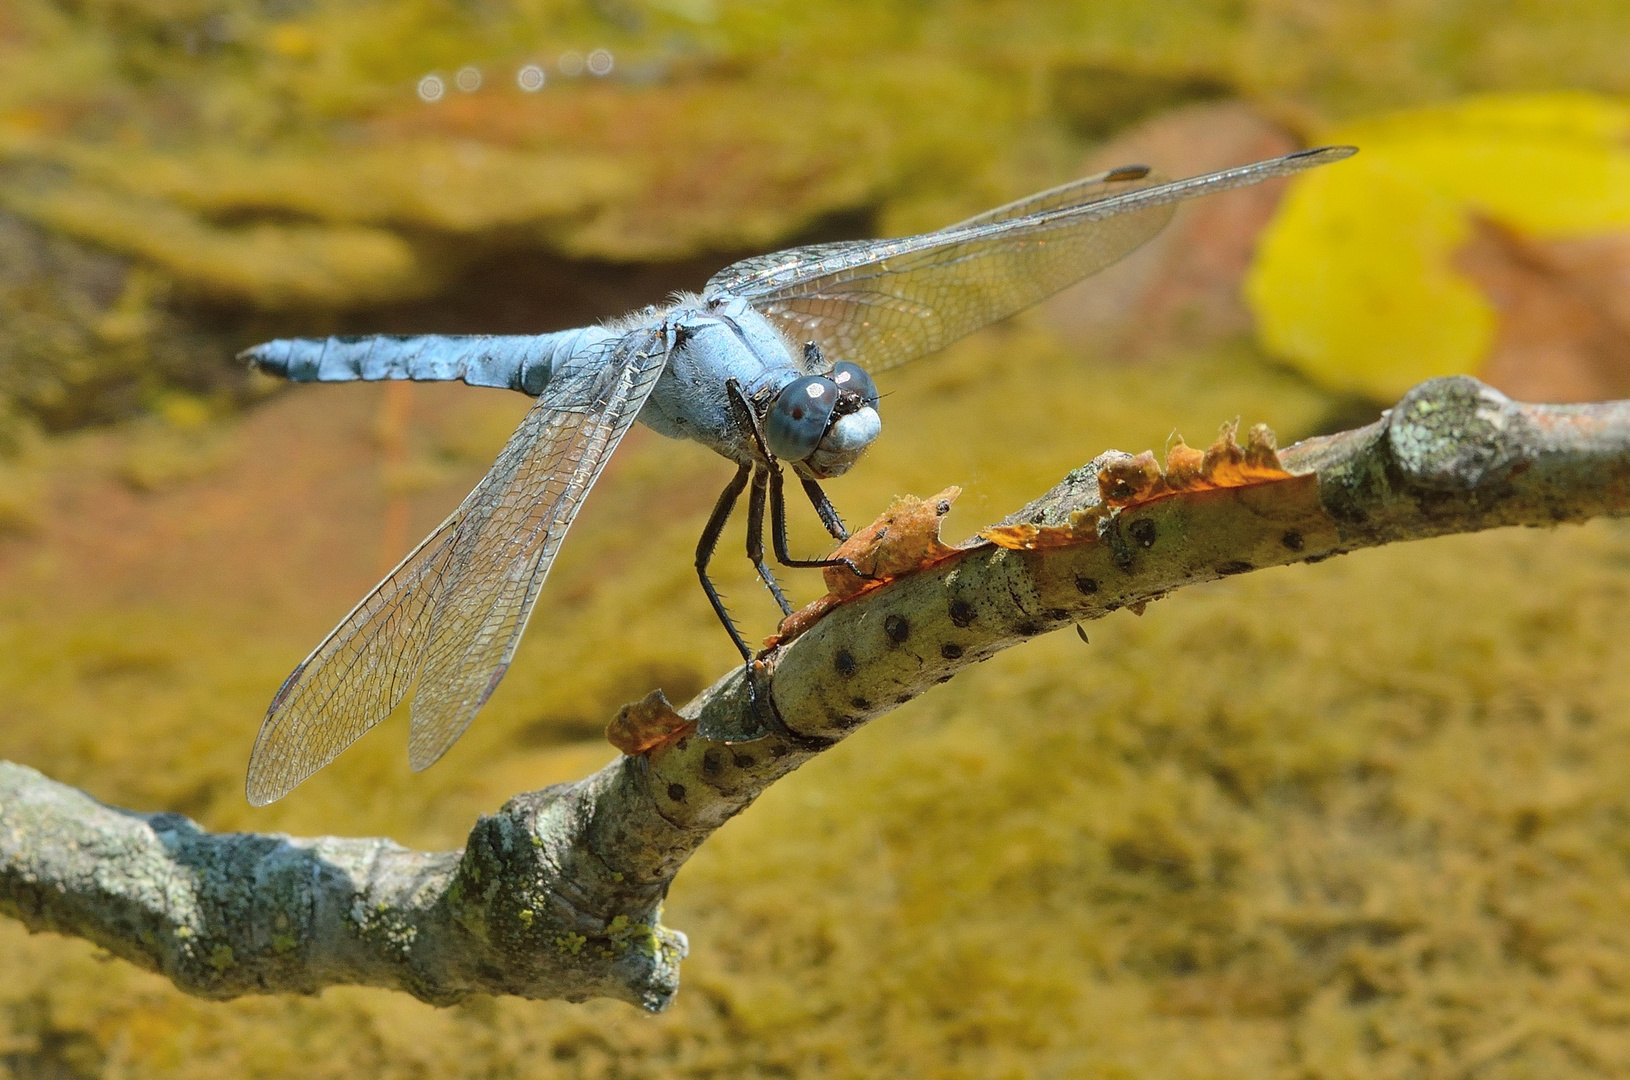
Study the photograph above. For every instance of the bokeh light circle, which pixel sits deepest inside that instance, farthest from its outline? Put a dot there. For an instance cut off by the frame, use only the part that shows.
(530, 78)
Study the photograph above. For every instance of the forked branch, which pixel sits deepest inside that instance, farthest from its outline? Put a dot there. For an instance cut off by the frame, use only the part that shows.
(559, 893)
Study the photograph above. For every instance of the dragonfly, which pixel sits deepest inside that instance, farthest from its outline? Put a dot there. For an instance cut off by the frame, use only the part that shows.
(770, 366)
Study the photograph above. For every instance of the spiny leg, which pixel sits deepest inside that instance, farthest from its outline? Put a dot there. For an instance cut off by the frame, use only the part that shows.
(778, 504)
(823, 506)
(704, 554)
(778, 532)
(755, 535)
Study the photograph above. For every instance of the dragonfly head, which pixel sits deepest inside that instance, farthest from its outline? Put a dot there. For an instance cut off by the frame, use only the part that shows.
(824, 422)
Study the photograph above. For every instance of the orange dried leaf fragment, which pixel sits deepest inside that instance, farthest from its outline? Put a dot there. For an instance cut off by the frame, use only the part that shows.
(1131, 481)
(641, 725)
(904, 538)
(1134, 479)
(1032, 537)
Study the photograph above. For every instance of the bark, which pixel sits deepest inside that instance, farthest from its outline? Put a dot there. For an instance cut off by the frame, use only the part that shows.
(559, 894)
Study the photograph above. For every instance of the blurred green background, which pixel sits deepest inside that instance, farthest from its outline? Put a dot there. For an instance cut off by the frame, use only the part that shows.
(1364, 819)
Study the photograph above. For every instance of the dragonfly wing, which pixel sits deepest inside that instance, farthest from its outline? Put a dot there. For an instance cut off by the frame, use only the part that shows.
(366, 665)
(538, 486)
(882, 303)
(1076, 192)
(353, 680)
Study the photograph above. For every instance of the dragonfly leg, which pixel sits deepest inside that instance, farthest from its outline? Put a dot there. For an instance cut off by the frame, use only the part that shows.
(755, 535)
(778, 506)
(748, 419)
(704, 554)
(778, 533)
(823, 506)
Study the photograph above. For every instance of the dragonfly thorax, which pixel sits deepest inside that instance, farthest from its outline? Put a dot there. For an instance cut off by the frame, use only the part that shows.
(723, 339)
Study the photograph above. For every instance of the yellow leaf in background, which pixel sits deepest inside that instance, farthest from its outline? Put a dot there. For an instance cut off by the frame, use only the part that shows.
(1354, 281)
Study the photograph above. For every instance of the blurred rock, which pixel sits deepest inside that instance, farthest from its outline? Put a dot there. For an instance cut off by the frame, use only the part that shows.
(85, 335)
(1183, 287)
(1564, 311)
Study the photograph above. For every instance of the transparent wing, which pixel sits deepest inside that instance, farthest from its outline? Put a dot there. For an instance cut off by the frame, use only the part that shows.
(488, 598)
(1119, 181)
(881, 303)
(452, 613)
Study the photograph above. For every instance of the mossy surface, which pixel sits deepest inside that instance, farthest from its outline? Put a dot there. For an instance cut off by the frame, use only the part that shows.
(1355, 819)
(1360, 819)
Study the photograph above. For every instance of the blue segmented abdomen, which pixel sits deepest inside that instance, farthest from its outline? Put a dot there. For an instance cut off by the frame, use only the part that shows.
(523, 363)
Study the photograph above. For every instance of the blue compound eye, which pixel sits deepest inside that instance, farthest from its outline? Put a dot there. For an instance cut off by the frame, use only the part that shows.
(853, 377)
(798, 419)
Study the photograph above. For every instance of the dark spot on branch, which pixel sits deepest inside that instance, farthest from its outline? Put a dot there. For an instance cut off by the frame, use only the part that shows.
(779, 750)
(942, 507)
(712, 762)
(1086, 585)
(860, 703)
(951, 651)
(845, 663)
(1120, 489)
(1029, 629)
(943, 679)
(743, 761)
(897, 628)
(961, 613)
(1316, 558)
(1056, 614)
(902, 699)
(676, 792)
(1235, 566)
(1143, 531)
(1292, 540)
(1115, 538)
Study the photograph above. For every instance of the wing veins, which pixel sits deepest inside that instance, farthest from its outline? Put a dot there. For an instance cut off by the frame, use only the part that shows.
(1076, 230)
(473, 645)
(367, 664)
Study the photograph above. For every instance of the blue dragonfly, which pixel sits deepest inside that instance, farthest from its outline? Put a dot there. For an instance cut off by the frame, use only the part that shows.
(767, 367)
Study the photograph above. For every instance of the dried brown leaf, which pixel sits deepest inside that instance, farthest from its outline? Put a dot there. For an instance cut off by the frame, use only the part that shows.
(1126, 480)
(1225, 464)
(641, 725)
(906, 537)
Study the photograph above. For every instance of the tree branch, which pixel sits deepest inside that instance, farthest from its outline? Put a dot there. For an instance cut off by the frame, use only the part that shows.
(559, 894)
